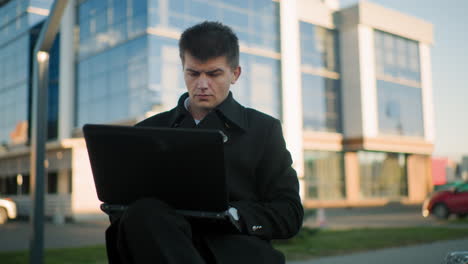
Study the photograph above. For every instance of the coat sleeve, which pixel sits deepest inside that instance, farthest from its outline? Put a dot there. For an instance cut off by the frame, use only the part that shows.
(278, 214)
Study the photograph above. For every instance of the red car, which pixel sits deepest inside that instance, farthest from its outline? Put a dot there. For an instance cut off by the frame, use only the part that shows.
(443, 203)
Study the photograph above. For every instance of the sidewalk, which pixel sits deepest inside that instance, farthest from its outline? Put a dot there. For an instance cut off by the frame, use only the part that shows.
(391, 215)
(15, 235)
(433, 253)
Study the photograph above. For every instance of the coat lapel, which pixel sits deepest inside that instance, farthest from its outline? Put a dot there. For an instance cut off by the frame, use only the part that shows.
(229, 115)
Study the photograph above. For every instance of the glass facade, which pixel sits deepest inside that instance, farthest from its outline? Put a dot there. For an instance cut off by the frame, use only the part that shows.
(14, 85)
(383, 175)
(124, 70)
(396, 57)
(15, 43)
(14, 20)
(166, 83)
(400, 109)
(111, 85)
(320, 103)
(320, 82)
(398, 85)
(319, 47)
(260, 84)
(256, 22)
(19, 29)
(324, 175)
(105, 24)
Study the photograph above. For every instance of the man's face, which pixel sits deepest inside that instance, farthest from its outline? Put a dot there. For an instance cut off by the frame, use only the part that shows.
(208, 81)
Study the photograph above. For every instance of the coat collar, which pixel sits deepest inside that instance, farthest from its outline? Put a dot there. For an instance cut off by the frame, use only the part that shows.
(229, 110)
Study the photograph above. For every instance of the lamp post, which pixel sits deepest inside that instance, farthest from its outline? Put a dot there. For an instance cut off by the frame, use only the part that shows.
(39, 137)
(39, 126)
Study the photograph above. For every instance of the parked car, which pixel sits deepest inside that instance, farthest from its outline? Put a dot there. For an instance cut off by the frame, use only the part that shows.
(456, 257)
(7, 210)
(447, 186)
(443, 203)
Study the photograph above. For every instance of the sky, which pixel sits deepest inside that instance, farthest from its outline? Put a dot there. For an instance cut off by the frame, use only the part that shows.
(449, 68)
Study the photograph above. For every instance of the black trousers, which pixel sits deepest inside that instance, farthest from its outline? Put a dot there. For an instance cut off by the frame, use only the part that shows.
(150, 231)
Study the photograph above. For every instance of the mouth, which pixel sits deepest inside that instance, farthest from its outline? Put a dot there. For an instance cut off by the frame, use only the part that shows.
(202, 96)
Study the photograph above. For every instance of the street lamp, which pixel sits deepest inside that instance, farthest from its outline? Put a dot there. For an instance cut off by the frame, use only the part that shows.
(43, 45)
(42, 56)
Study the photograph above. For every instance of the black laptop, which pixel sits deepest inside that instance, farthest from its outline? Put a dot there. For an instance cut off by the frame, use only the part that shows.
(182, 167)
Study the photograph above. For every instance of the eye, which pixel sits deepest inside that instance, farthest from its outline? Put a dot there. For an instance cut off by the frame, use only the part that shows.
(193, 74)
(214, 74)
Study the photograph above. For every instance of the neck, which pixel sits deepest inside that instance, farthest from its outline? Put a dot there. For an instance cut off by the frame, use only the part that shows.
(198, 114)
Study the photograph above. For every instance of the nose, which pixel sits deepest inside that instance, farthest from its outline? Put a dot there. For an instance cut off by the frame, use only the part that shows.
(203, 82)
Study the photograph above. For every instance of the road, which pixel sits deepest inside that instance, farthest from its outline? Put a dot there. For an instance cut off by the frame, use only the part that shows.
(15, 235)
(391, 215)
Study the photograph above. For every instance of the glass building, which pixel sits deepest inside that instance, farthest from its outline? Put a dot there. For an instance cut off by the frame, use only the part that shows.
(20, 23)
(123, 45)
(353, 90)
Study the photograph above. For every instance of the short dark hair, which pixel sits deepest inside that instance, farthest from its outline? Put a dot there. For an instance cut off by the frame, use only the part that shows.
(209, 40)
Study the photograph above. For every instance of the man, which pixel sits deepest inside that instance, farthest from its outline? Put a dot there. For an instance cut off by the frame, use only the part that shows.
(262, 185)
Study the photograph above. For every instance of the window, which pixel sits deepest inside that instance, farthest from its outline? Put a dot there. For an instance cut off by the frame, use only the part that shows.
(398, 85)
(318, 47)
(324, 175)
(383, 175)
(9, 185)
(14, 86)
(321, 103)
(25, 186)
(396, 57)
(260, 86)
(52, 182)
(400, 109)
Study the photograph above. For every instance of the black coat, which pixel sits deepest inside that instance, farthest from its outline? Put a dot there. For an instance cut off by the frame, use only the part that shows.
(261, 182)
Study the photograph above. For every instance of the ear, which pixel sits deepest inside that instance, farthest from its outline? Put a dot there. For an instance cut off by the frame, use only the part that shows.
(236, 73)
